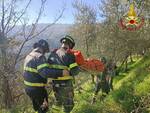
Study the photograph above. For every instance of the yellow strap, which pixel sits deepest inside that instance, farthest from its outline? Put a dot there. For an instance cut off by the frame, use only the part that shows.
(58, 66)
(35, 84)
(73, 65)
(30, 69)
(42, 66)
(68, 77)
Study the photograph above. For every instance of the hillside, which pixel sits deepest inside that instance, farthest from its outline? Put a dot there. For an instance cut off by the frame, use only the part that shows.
(52, 34)
(111, 39)
(131, 93)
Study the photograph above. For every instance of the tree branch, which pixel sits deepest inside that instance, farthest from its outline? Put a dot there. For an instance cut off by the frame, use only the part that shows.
(10, 13)
(3, 18)
(18, 18)
(31, 34)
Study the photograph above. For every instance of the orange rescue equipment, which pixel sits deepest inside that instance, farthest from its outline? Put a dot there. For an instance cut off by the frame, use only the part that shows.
(93, 65)
(78, 56)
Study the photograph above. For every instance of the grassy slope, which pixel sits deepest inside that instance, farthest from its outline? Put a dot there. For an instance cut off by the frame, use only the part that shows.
(131, 94)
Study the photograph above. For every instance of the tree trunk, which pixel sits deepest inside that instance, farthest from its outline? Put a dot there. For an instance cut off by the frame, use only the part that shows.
(92, 78)
(7, 94)
(126, 65)
(87, 48)
(123, 62)
(6, 90)
(131, 59)
(3, 51)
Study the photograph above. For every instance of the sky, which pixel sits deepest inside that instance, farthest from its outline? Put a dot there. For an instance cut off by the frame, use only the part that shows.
(53, 8)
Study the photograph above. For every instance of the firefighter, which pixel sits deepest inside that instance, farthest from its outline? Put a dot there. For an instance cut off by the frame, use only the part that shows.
(62, 58)
(111, 72)
(36, 73)
(101, 82)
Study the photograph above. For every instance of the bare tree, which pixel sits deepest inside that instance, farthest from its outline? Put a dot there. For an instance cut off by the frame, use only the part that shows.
(10, 18)
(85, 25)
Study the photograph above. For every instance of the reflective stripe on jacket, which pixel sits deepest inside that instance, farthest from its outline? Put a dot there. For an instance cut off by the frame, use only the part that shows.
(60, 59)
(36, 70)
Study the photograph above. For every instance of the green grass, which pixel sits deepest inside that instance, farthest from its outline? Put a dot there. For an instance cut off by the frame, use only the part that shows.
(130, 88)
(131, 93)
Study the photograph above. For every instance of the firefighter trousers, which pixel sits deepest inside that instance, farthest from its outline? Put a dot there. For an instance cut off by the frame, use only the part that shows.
(63, 91)
(37, 96)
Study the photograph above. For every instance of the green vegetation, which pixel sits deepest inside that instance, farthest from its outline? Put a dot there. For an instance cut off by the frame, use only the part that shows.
(131, 92)
(96, 34)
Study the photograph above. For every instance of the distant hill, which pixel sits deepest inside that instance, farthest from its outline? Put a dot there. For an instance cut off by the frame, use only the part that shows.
(131, 92)
(52, 35)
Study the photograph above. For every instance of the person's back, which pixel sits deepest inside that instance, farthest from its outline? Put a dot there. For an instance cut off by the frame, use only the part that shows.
(63, 60)
(111, 73)
(31, 75)
(36, 72)
(101, 82)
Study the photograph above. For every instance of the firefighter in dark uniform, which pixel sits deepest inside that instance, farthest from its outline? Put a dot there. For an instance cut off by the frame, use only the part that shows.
(101, 82)
(111, 73)
(36, 72)
(62, 58)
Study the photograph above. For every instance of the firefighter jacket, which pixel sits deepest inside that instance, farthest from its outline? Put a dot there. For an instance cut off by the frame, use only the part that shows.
(61, 59)
(36, 70)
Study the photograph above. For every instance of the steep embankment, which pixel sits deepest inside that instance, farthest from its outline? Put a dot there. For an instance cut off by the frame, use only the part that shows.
(131, 93)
